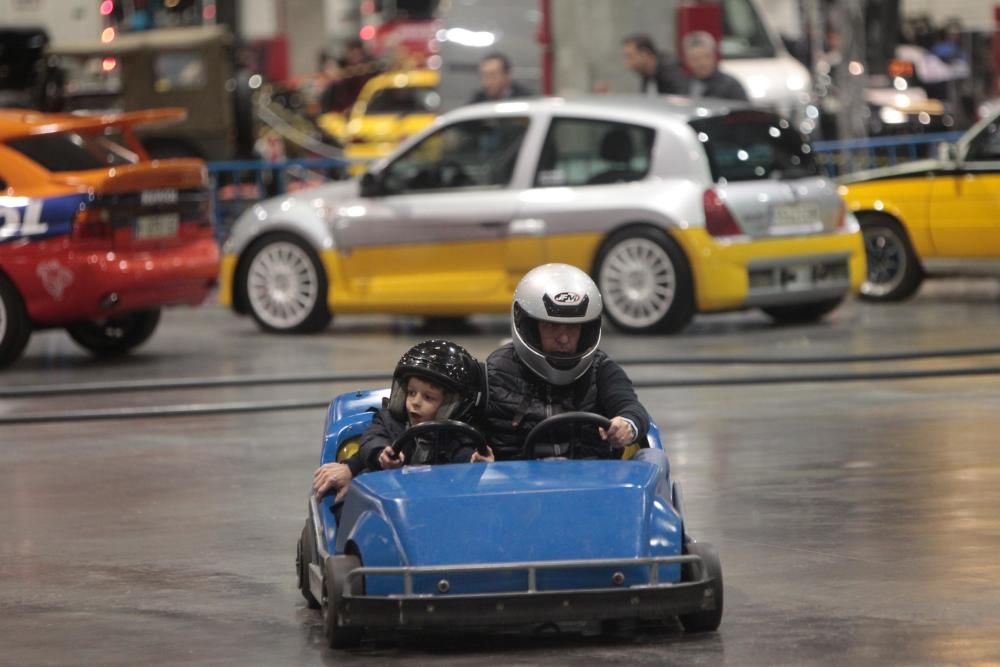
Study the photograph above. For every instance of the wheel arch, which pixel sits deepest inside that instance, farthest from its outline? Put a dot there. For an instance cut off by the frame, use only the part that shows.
(635, 225)
(890, 218)
(239, 297)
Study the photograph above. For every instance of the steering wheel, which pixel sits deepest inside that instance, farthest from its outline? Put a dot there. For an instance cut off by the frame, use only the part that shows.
(457, 178)
(576, 420)
(436, 430)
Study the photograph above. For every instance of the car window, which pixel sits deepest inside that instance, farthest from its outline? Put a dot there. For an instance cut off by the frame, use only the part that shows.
(581, 151)
(754, 145)
(178, 70)
(403, 101)
(471, 154)
(985, 147)
(72, 151)
(743, 34)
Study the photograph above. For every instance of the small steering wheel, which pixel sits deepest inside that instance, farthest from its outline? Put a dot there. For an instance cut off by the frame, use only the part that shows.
(436, 430)
(576, 420)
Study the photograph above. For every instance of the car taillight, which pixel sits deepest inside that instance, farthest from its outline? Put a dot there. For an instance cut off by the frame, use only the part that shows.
(92, 223)
(718, 220)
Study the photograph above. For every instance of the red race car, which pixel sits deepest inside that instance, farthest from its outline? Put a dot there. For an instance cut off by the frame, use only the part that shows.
(94, 235)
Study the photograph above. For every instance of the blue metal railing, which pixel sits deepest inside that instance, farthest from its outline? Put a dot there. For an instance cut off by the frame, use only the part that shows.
(237, 185)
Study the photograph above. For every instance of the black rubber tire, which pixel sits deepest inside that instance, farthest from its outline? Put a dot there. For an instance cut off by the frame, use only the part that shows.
(337, 567)
(16, 327)
(881, 232)
(710, 619)
(115, 335)
(682, 308)
(319, 315)
(305, 554)
(803, 312)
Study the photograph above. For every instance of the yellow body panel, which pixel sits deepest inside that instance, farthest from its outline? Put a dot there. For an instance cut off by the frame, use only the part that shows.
(906, 199)
(227, 271)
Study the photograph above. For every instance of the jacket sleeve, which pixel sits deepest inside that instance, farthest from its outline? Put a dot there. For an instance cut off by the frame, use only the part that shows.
(355, 464)
(617, 397)
(376, 437)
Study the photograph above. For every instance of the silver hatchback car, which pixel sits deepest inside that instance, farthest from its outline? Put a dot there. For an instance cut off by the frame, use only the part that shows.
(674, 207)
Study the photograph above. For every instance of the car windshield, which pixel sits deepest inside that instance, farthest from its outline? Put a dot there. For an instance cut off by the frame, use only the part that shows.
(754, 145)
(72, 151)
(743, 33)
(404, 101)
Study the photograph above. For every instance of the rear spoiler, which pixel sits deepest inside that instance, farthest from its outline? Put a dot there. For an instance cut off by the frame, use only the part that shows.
(59, 123)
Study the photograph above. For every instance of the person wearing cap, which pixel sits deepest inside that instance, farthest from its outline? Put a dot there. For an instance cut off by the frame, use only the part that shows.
(554, 365)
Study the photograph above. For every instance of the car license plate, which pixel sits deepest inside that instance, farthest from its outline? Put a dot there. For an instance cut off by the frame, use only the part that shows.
(156, 226)
(798, 215)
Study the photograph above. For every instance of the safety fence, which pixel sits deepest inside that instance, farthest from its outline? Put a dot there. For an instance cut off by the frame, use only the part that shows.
(238, 185)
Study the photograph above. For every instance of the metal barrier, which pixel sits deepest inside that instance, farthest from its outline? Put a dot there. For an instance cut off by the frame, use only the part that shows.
(237, 185)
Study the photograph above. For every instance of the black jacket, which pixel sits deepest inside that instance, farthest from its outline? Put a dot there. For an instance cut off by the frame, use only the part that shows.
(669, 78)
(519, 399)
(516, 90)
(384, 430)
(721, 86)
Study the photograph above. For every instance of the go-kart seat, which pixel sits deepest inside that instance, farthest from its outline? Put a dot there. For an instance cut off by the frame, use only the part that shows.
(616, 148)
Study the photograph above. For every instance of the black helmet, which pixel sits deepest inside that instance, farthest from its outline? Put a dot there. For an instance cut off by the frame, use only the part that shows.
(447, 364)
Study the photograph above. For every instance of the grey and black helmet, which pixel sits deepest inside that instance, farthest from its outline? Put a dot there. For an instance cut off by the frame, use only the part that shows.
(446, 364)
(562, 294)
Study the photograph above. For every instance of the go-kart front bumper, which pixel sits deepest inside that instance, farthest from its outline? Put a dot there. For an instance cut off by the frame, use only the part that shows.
(529, 606)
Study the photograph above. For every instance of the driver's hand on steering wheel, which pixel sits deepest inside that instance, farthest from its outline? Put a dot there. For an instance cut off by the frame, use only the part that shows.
(620, 434)
(388, 459)
(488, 458)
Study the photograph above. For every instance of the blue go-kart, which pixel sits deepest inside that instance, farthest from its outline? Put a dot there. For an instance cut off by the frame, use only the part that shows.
(523, 542)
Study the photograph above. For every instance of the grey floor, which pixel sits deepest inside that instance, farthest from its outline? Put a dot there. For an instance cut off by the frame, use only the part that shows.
(858, 522)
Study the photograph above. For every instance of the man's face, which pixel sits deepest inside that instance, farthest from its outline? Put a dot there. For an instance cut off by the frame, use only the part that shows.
(556, 337)
(422, 400)
(637, 60)
(701, 61)
(493, 78)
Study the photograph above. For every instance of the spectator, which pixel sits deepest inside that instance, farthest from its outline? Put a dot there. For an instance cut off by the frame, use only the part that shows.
(658, 76)
(703, 63)
(495, 81)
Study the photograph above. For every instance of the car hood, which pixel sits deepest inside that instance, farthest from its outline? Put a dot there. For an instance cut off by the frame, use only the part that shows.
(333, 193)
(575, 510)
(910, 169)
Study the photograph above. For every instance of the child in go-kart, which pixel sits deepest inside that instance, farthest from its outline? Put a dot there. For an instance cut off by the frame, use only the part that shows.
(435, 380)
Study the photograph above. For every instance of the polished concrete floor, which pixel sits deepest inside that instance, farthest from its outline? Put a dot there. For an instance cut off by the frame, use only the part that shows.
(858, 522)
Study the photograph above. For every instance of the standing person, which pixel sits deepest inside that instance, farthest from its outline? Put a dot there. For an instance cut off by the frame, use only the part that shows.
(495, 81)
(658, 75)
(703, 63)
(554, 365)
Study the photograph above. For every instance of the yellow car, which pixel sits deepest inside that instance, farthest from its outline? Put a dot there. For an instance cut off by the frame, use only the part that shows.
(673, 207)
(932, 216)
(390, 108)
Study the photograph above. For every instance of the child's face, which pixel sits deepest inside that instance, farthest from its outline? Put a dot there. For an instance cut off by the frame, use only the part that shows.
(422, 400)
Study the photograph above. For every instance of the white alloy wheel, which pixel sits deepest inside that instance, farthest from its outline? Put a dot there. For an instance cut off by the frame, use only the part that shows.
(282, 285)
(638, 282)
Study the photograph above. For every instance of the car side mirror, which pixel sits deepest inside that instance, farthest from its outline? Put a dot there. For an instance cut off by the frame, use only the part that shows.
(947, 152)
(371, 185)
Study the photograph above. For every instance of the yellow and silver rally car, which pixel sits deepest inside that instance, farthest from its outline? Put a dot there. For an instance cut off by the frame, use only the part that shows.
(674, 207)
(932, 216)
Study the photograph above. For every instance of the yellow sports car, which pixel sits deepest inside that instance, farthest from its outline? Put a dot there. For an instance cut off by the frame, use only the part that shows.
(932, 216)
(391, 107)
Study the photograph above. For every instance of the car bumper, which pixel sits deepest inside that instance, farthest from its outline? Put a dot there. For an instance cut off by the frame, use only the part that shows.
(101, 283)
(770, 272)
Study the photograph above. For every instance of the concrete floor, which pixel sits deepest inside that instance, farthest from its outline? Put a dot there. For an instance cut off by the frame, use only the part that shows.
(858, 522)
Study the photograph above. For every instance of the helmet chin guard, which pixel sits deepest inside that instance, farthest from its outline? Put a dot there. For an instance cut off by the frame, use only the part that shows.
(560, 294)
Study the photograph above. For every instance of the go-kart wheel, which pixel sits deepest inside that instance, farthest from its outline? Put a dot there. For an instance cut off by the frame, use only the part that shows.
(436, 430)
(116, 334)
(304, 556)
(575, 420)
(709, 619)
(337, 567)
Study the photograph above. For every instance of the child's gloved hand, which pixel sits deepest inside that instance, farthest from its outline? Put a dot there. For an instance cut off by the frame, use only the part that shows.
(388, 459)
(488, 458)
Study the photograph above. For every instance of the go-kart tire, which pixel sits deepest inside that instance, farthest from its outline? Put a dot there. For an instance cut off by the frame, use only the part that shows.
(15, 327)
(303, 556)
(645, 281)
(708, 620)
(893, 271)
(337, 567)
(284, 285)
(116, 335)
(803, 312)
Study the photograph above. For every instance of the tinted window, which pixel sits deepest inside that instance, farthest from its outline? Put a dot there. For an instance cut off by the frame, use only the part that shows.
(477, 153)
(593, 152)
(70, 151)
(986, 145)
(752, 145)
(404, 100)
(179, 70)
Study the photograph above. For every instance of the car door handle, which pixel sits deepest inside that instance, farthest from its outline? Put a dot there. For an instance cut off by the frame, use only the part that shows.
(492, 224)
